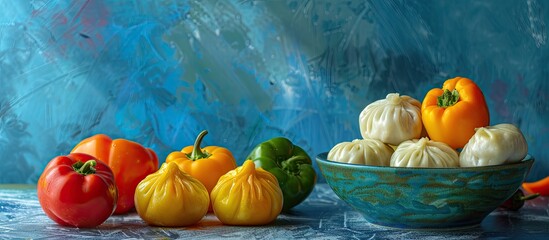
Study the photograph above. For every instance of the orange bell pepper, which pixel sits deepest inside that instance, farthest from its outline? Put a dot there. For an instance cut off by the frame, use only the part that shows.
(451, 114)
(541, 186)
(129, 161)
(206, 164)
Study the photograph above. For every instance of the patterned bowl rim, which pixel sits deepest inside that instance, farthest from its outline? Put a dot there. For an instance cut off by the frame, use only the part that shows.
(322, 159)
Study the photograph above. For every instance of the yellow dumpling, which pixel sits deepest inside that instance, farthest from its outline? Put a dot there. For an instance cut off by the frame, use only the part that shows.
(171, 198)
(247, 196)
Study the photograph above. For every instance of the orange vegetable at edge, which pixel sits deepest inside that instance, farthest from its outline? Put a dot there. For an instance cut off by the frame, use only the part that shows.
(541, 186)
(451, 114)
(206, 164)
(129, 161)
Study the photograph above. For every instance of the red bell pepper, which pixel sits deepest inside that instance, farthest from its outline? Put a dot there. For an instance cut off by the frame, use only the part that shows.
(129, 161)
(77, 190)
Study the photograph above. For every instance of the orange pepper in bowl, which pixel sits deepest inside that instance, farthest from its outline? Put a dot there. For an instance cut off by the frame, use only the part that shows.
(451, 114)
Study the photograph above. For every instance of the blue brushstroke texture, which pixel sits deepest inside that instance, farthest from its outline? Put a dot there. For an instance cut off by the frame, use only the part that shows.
(158, 72)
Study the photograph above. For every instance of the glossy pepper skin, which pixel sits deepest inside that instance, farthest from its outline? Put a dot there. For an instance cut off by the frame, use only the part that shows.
(171, 198)
(515, 202)
(540, 186)
(247, 196)
(451, 114)
(129, 161)
(206, 164)
(77, 190)
(291, 165)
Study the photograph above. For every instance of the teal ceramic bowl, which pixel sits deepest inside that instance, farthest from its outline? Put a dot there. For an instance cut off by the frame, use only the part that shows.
(424, 198)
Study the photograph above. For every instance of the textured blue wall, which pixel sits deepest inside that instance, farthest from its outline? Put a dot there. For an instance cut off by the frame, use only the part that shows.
(158, 72)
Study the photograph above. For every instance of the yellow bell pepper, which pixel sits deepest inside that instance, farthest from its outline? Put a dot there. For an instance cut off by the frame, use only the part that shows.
(451, 114)
(247, 196)
(171, 198)
(207, 164)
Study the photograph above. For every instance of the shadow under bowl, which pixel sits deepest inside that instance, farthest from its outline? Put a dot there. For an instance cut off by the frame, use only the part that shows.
(424, 198)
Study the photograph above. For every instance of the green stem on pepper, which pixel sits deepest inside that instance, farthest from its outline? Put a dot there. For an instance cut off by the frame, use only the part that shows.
(85, 168)
(516, 201)
(197, 153)
(529, 197)
(292, 164)
(448, 98)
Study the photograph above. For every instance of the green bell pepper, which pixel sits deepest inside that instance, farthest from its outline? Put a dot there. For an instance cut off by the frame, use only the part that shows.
(290, 164)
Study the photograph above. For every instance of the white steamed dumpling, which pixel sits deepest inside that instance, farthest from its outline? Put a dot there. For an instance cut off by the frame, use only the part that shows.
(392, 120)
(424, 153)
(362, 151)
(494, 145)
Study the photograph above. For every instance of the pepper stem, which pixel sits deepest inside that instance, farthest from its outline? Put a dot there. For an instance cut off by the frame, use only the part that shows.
(448, 99)
(85, 168)
(292, 164)
(529, 197)
(197, 152)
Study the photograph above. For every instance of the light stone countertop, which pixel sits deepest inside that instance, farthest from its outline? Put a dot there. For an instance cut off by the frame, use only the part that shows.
(322, 216)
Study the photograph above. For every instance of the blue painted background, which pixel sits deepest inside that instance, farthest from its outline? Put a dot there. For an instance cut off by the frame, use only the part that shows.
(158, 72)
